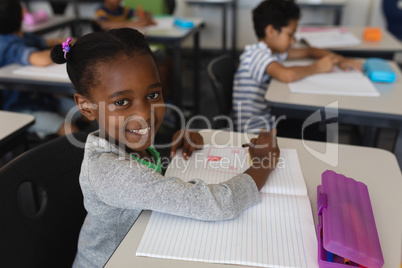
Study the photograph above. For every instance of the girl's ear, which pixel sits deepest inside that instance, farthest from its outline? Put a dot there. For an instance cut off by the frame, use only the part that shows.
(86, 107)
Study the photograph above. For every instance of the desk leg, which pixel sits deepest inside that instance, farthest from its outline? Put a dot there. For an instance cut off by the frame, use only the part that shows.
(177, 75)
(224, 15)
(398, 147)
(370, 136)
(234, 20)
(196, 72)
(338, 13)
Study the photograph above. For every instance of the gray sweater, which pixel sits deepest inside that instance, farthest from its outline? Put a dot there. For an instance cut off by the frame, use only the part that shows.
(117, 188)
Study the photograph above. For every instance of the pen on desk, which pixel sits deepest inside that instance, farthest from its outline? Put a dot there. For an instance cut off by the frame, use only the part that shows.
(346, 261)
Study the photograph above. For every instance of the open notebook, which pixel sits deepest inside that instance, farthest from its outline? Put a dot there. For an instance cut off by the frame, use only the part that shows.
(278, 232)
(337, 82)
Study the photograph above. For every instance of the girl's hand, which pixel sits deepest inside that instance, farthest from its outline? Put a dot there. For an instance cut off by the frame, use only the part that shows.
(189, 140)
(265, 147)
(264, 153)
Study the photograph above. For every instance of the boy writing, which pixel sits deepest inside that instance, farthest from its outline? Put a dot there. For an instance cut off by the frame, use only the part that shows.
(275, 23)
(28, 49)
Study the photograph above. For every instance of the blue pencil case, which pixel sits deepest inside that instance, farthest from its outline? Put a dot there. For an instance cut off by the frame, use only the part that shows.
(183, 23)
(378, 70)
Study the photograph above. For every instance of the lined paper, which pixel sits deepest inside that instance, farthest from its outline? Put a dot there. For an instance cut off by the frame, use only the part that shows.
(278, 232)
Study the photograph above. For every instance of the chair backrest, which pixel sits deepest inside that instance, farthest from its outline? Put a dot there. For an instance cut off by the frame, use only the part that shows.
(393, 14)
(221, 71)
(41, 205)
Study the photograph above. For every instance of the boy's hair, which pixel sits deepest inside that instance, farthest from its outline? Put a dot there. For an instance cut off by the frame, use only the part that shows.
(278, 13)
(96, 48)
(10, 16)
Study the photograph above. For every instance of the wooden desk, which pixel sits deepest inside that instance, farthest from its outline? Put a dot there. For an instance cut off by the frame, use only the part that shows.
(376, 168)
(224, 4)
(174, 36)
(386, 48)
(373, 112)
(336, 5)
(13, 126)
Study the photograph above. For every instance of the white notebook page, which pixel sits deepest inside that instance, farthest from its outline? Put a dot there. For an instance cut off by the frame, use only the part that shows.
(329, 38)
(337, 82)
(278, 232)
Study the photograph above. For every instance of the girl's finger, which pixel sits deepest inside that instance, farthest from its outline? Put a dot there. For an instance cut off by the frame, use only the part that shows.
(190, 151)
(185, 150)
(177, 141)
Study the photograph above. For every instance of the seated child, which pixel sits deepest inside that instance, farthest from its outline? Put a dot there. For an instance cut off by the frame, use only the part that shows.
(113, 15)
(29, 49)
(275, 23)
(118, 85)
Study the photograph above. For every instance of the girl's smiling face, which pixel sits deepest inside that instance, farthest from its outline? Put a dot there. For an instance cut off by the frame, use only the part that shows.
(128, 101)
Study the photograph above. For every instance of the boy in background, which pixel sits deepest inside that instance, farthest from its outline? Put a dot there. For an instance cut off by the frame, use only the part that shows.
(112, 15)
(28, 49)
(275, 23)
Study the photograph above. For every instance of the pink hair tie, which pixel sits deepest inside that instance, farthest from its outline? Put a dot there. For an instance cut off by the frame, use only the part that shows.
(66, 47)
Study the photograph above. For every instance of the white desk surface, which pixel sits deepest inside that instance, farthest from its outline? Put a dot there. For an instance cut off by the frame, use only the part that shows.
(377, 168)
(389, 103)
(53, 20)
(321, 2)
(11, 123)
(388, 43)
(162, 29)
(6, 72)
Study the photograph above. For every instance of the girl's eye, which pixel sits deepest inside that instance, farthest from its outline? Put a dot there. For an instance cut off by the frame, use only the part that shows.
(121, 102)
(153, 95)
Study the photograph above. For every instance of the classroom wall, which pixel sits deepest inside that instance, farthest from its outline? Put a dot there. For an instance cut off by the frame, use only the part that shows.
(356, 12)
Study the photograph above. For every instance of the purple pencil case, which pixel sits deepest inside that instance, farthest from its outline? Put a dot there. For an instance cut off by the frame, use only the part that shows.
(346, 230)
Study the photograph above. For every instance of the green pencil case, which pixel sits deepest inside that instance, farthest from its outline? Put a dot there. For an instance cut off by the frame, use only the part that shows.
(378, 70)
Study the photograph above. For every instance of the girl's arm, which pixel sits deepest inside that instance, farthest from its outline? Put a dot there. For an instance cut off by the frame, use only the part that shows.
(130, 185)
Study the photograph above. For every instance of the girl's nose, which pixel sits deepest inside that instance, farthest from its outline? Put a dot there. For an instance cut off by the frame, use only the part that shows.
(143, 110)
